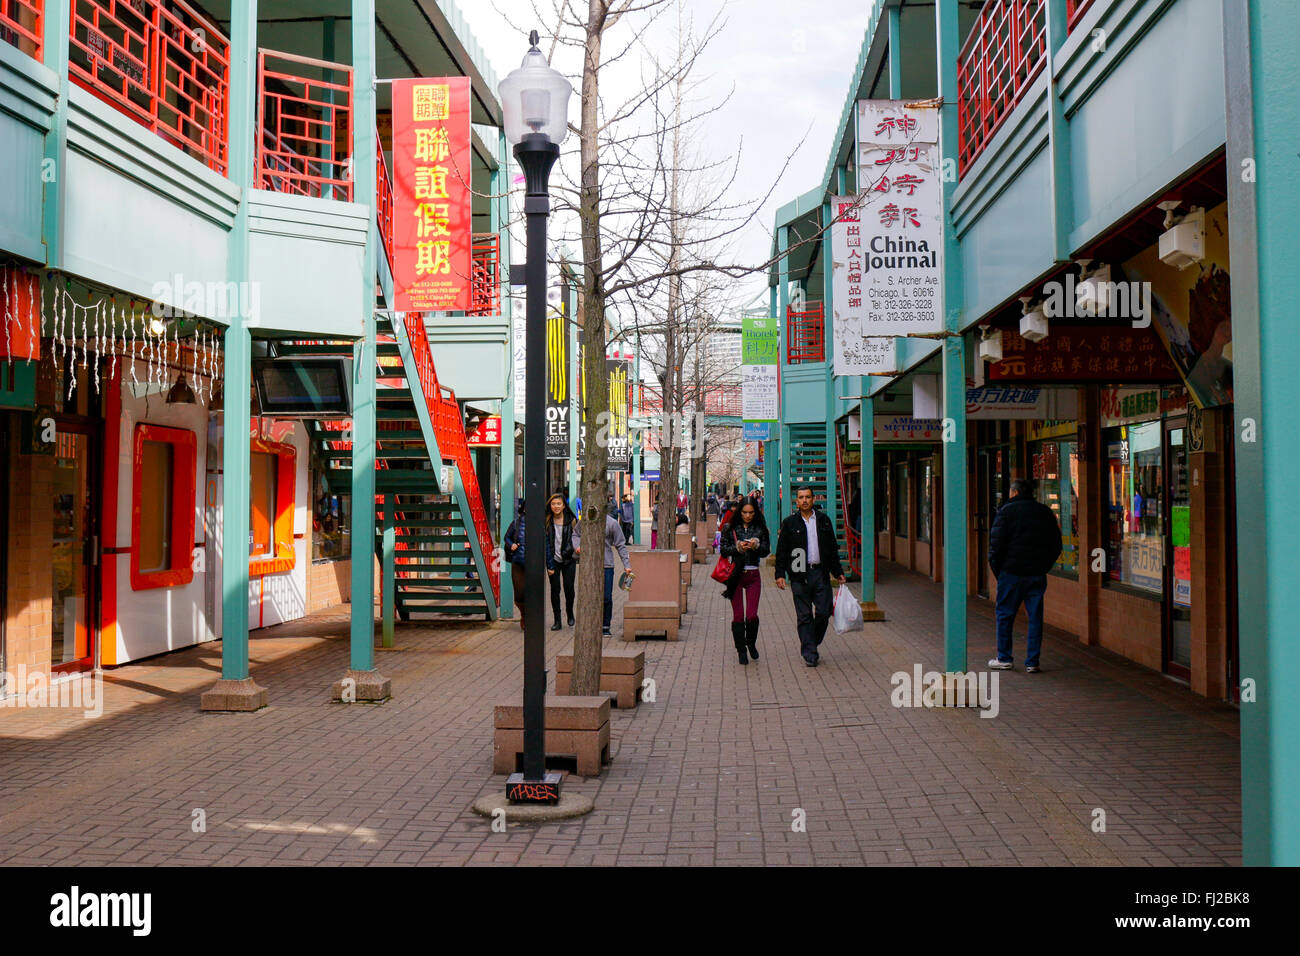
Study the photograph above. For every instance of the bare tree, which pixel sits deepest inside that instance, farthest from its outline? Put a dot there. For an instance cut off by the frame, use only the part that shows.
(653, 224)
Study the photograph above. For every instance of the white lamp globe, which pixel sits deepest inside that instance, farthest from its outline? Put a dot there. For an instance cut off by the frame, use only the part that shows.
(535, 99)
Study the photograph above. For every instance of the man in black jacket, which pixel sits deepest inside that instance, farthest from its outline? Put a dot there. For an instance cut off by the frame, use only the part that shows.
(1024, 543)
(810, 560)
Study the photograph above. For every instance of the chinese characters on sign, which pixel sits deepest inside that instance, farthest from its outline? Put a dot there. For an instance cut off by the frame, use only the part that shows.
(432, 229)
(760, 400)
(487, 434)
(886, 241)
(1085, 354)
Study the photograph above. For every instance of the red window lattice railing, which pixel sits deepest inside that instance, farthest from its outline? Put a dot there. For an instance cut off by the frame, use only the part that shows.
(304, 113)
(20, 25)
(484, 266)
(805, 334)
(1075, 11)
(999, 60)
(449, 429)
(718, 400)
(160, 63)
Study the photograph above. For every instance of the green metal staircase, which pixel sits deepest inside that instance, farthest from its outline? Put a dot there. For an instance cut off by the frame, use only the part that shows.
(811, 464)
(431, 531)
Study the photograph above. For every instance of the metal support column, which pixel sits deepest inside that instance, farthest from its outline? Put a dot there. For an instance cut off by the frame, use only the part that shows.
(954, 360)
(1261, 61)
(236, 689)
(363, 682)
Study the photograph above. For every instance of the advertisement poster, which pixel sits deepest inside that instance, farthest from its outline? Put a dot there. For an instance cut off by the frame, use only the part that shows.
(760, 394)
(1192, 313)
(432, 215)
(557, 385)
(617, 430)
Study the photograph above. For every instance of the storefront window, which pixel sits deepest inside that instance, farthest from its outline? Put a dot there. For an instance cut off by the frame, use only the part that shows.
(331, 537)
(1134, 506)
(1055, 469)
(882, 499)
(901, 492)
(924, 502)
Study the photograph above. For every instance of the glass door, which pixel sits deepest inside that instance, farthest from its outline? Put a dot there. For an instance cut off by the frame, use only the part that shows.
(1178, 566)
(73, 548)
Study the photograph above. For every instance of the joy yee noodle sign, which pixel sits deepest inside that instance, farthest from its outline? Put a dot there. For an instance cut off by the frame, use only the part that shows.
(432, 228)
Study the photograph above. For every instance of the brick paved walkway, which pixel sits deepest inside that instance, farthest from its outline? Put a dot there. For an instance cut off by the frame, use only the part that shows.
(711, 773)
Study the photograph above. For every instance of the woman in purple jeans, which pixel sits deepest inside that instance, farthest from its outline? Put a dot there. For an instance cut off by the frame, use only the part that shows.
(744, 539)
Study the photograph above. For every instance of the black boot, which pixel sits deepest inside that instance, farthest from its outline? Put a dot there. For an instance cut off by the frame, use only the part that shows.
(751, 637)
(738, 636)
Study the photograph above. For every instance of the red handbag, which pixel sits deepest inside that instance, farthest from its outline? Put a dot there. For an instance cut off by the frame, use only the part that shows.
(723, 570)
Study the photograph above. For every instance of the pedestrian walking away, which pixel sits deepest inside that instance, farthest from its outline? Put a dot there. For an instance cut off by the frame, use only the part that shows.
(513, 543)
(745, 542)
(808, 554)
(614, 541)
(562, 551)
(627, 514)
(1024, 543)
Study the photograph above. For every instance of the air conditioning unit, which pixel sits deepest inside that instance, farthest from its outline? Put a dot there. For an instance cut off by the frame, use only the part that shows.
(991, 345)
(1183, 242)
(1092, 294)
(1033, 324)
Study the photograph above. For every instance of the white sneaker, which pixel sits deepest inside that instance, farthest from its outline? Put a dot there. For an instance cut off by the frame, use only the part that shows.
(998, 665)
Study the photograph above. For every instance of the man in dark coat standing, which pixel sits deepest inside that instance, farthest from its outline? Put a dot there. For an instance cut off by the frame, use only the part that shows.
(807, 552)
(1024, 543)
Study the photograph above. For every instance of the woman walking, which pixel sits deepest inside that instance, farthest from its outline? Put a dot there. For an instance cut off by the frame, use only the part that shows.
(745, 541)
(513, 543)
(562, 551)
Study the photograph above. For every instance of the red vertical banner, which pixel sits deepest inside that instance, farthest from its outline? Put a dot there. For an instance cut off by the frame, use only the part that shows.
(432, 200)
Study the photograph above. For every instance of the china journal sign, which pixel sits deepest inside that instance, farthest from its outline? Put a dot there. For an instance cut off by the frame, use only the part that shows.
(886, 242)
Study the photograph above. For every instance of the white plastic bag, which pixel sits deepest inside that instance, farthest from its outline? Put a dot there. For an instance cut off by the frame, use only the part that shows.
(848, 613)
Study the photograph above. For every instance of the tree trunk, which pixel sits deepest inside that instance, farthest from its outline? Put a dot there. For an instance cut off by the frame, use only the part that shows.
(587, 648)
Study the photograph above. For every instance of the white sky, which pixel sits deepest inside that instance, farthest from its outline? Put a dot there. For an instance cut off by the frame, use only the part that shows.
(790, 62)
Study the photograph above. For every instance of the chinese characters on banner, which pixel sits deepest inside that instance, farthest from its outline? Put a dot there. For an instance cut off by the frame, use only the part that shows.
(886, 242)
(620, 458)
(432, 228)
(760, 397)
(557, 385)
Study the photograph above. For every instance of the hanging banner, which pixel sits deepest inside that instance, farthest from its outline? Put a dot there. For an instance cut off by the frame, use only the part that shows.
(557, 385)
(760, 393)
(432, 224)
(887, 242)
(616, 431)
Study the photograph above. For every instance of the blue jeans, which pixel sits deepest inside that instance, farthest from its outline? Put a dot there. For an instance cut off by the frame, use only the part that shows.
(1012, 590)
(609, 598)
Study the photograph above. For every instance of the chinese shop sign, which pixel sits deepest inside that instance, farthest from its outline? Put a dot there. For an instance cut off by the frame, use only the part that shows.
(886, 240)
(906, 428)
(487, 434)
(432, 229)
(760, 397)
(1106, 353)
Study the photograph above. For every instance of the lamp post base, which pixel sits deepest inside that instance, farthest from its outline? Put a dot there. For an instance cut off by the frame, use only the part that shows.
(547, 790)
